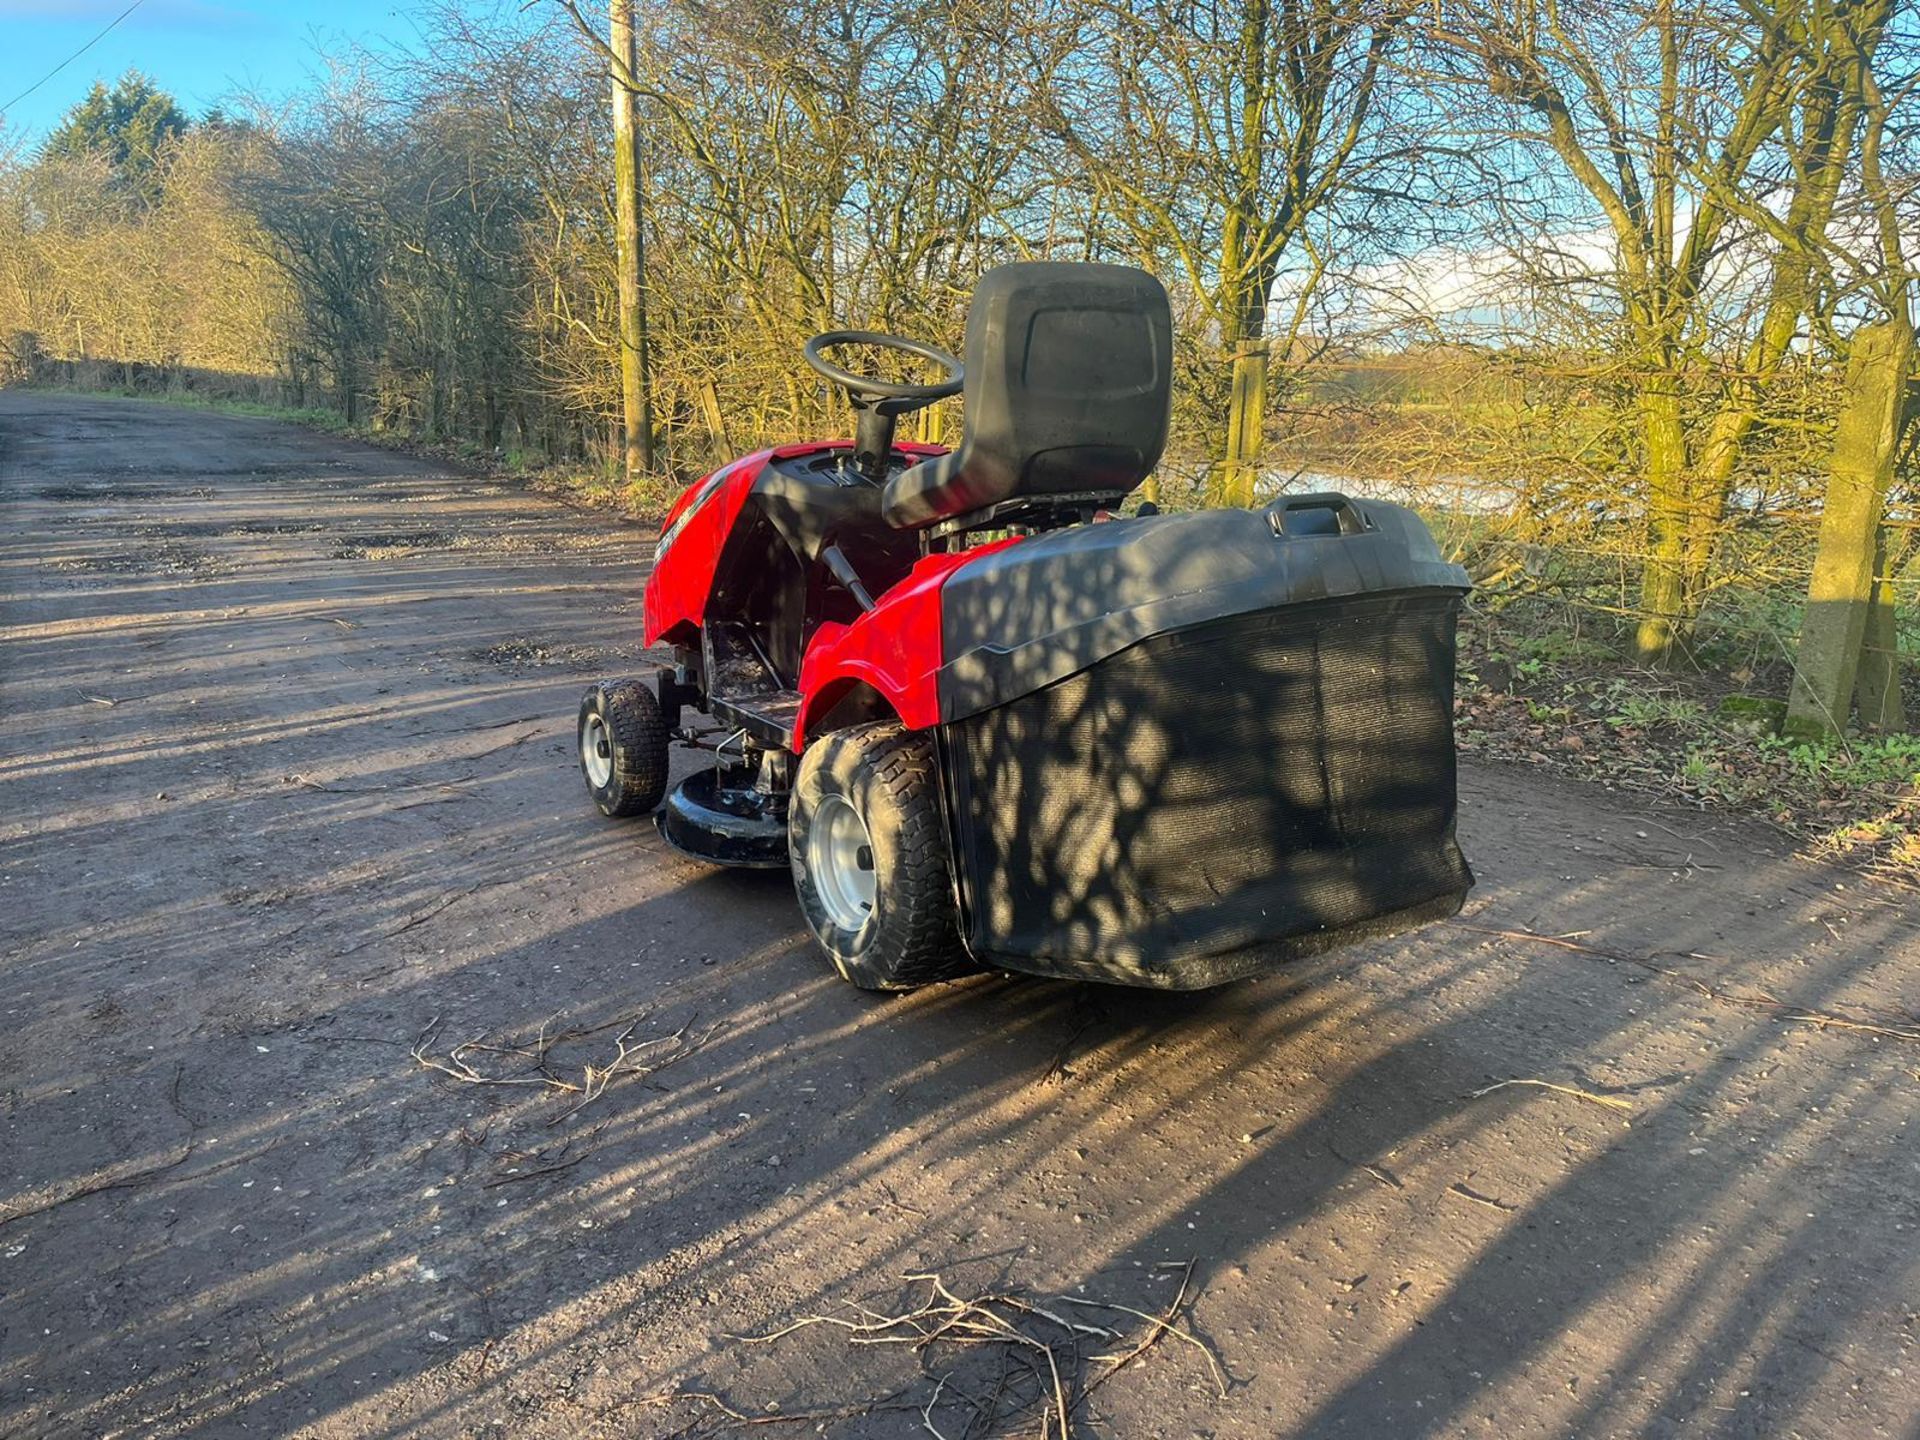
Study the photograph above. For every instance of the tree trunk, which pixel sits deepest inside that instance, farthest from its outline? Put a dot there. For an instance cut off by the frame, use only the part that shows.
(1246, 425)
(1663, 580)
(1840, 595)
(1738, 414)
(716, 422)
(349, 380)
(1876, 690)
(630, 251)
(1828, 120)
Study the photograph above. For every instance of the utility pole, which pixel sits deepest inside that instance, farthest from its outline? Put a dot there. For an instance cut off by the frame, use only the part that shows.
(636, 387)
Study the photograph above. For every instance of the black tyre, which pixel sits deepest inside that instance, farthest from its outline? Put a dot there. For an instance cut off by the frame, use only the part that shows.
(869, 855)
(623, 747)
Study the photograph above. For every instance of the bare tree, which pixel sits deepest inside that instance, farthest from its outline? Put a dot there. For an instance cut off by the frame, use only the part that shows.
(1230, 141)
(1696, 133)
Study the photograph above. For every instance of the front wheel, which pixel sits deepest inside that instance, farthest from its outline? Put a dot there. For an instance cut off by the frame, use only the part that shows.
(869, 857)
(623, 747)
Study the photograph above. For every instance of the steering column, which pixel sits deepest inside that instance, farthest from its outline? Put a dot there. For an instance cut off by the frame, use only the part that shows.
(878, 404)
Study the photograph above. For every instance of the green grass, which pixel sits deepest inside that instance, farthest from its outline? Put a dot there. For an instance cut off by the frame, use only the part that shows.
(1870, 760)
(1706, 732)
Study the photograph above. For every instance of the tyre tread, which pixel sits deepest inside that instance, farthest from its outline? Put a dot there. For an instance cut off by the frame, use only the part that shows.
(922, 946)
(640, 740)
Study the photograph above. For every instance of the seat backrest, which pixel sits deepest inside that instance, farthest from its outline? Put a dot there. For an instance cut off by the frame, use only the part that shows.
(1068, 389)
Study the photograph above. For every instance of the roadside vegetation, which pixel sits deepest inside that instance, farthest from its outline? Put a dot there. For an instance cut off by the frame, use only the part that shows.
(1703, 736)
(1620, 297)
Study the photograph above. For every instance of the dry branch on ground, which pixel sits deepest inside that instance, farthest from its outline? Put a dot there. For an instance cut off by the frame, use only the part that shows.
(535, 1067)
(1044, 1360)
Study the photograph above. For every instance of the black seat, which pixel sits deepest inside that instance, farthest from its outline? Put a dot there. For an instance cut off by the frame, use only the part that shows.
(1069, 384)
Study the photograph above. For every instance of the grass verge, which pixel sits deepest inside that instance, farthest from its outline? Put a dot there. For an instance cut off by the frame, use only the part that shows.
(1703, 737)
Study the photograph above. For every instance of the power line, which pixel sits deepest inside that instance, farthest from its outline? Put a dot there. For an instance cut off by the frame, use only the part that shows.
(71, 58)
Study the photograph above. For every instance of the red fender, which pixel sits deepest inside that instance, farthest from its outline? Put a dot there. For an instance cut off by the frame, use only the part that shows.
(688, 552)
(696, 530)
(894, 647)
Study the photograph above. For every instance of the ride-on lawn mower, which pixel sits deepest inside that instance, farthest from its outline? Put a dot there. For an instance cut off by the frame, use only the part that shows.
(986, 723)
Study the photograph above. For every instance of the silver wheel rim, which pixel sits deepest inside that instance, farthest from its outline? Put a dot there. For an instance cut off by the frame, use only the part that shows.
(840, 860)
(596, 752)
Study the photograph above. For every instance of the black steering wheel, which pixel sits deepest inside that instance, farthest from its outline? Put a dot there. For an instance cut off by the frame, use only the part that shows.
(898, 397)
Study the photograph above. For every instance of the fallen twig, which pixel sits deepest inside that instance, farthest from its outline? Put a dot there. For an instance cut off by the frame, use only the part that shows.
(1057, 1072)
(897, 1203)
(447, 799)
(418, 918)
(629, 1059)
(427, 914)
(1468, 1193)
(926, 1411)
(1612, 1102)
(1384, 1177)
(471, 729)
(119, 1182)
(498, 724)
(509, 744)
(1055, 1380)
(1162, 1325)
(562, 1160)
(595, 1080)
(421, 917)
(306, 782)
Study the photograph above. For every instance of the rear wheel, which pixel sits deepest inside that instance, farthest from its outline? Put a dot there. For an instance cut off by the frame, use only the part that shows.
(623, 747)
(869, 856)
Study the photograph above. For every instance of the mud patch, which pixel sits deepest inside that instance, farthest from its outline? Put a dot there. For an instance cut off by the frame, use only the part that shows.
(167, 558)
(218, 529)
(94, 494)
(534, 654)
(391, 545)
(549, 543)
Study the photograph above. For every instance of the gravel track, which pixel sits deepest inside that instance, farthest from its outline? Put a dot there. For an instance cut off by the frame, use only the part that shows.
(287, 793)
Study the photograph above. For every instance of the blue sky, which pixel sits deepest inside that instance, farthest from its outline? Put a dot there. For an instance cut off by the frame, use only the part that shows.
(200, 50)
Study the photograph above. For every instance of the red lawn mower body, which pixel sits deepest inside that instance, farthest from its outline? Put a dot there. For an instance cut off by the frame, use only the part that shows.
(1162, 750)
(893, 649)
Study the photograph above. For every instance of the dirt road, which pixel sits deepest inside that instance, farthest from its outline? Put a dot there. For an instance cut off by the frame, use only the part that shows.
(286, 785)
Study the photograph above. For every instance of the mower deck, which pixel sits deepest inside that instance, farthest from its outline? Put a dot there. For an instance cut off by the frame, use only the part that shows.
(709, 817)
